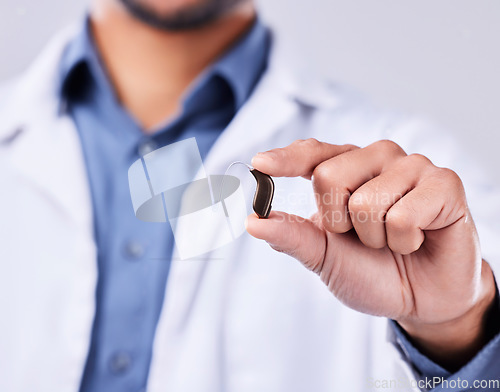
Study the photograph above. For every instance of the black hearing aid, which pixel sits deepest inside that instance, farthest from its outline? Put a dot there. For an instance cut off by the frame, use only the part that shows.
(263, 194)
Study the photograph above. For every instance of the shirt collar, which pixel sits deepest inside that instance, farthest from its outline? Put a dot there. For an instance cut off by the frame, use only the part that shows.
(241, 66)
(82, 53)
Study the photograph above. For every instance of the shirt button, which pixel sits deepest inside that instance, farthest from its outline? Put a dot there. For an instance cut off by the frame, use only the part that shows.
(146, 147)
(120, 362)
(134, 250)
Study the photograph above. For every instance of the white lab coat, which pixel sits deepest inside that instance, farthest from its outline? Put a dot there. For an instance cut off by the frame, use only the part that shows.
(242, 319)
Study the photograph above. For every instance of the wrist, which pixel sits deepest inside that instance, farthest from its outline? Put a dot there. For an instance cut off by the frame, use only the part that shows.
(455, 342)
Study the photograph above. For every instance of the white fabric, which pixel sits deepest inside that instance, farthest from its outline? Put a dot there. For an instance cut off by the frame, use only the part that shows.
(242, 319)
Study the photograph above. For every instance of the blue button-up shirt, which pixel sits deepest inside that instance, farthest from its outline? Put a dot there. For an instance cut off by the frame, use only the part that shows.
(134, 256)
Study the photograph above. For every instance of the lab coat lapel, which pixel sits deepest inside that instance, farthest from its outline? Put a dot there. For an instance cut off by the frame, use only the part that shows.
(53, 164)
(43, 143)
(43, 152)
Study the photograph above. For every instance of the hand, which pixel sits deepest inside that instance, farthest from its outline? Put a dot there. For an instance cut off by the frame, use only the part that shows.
(392, 237)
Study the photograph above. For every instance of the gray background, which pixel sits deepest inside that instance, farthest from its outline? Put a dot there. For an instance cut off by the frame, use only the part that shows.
(440, 58)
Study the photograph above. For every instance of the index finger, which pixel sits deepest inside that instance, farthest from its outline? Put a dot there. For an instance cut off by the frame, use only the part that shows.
(299, 159)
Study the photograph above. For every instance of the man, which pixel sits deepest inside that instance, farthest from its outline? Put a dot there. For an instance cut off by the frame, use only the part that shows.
(93, 299)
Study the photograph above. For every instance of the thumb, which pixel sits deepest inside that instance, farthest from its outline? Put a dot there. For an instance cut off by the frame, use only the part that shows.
(291, 234)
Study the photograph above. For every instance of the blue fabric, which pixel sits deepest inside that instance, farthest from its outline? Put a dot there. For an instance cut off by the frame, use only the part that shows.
(482, 373)
(134, 256)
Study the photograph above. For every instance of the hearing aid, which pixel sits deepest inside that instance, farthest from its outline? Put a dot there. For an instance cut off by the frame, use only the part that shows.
(264, 191)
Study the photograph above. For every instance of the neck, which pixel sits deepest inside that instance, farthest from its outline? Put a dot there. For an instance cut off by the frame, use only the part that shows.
(149, 68)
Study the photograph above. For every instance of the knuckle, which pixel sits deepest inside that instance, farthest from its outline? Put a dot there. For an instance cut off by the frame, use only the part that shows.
(323, 172)
(388, 147)
(351, 147)
(358, 203)
(449, 176)
(307, 143)
(282, 153)
(279, 152)
(418, 160)
(312, 142)
(363, 209)
(398, 219)
(295, 146)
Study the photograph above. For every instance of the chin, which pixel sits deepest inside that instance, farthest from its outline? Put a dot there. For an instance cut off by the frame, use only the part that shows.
(178, 15)
(165, 7)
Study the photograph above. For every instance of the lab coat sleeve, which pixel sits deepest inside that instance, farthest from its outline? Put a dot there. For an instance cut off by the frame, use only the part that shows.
(482, 373)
